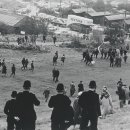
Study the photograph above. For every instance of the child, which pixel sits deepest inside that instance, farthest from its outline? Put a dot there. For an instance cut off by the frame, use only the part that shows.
(63, 59)
(46, 94)
(32, 66)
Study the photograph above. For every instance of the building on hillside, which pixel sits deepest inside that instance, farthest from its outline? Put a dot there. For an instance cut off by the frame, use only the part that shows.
(98, 17)
(116, 19)
(127, 25)
(82, 12)
(12, 21)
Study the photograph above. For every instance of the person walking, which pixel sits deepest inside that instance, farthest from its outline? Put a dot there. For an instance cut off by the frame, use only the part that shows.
(23, 63)
(60, 104)
(32, 66)
(13, 69)
(72, 89)
(46, 93)
(25, 102)
(80, 87)
(111, 61)
(90, 105)
(4, 70)
(54, 39)
(10, 111)
(106, 102)
(26, 63)
(63, 59)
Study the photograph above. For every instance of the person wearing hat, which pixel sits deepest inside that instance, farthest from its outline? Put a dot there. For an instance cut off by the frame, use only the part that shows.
(25, 107)
(90, 105)
(60, 104)
(10, 111)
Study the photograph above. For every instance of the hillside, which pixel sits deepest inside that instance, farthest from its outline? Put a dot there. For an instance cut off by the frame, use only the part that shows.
(73, 70)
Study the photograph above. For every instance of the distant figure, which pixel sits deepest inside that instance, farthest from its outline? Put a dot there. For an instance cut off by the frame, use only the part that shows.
(63, 59)
(111, 61)
(80, 87)
(46, 94)
(72, 89)
(62, 115)
(26, 63)
(25, 102)
(26, 38)
(44, 38)
(54, 39)
(125, 58)
(106, 102)
(90, 105)
(13, 69)
(32, 66)
(55, 74)
(122, 96)
(55, 60)
(4, 70)
(23, 64)
(3, 62)
(0, 63)
(10, 111)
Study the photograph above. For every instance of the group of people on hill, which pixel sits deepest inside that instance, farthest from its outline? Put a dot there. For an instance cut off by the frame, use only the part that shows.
(25, 63)
(55, 58)
(87, 107)
(123, 93)
(114, 55)
(4, 69)
(26, 39)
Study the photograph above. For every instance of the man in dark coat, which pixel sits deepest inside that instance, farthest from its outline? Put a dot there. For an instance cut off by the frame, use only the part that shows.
(23, 63)
(80, 87)
(25, 107)
(10, 111)
(60, 104)
(13, 69)
(89, 102)
(111, 61)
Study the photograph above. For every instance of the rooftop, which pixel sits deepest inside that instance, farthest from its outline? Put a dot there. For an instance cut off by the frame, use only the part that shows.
(127, 21)
(82, 10)
(10, 19)
(117, 17)
(95, 14)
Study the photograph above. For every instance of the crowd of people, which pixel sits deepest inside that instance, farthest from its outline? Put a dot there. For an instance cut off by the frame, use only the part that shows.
(87, 107)
(115, 56)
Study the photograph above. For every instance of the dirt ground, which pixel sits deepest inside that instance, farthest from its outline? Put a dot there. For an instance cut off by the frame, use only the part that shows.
(73, 70)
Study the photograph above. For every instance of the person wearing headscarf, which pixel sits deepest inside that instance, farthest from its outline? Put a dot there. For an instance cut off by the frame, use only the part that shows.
(106, 102)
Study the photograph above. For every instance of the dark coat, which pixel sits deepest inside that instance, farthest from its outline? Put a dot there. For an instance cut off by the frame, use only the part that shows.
(10, 109)
(89, 102)
(25, 105)
(60, 104)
